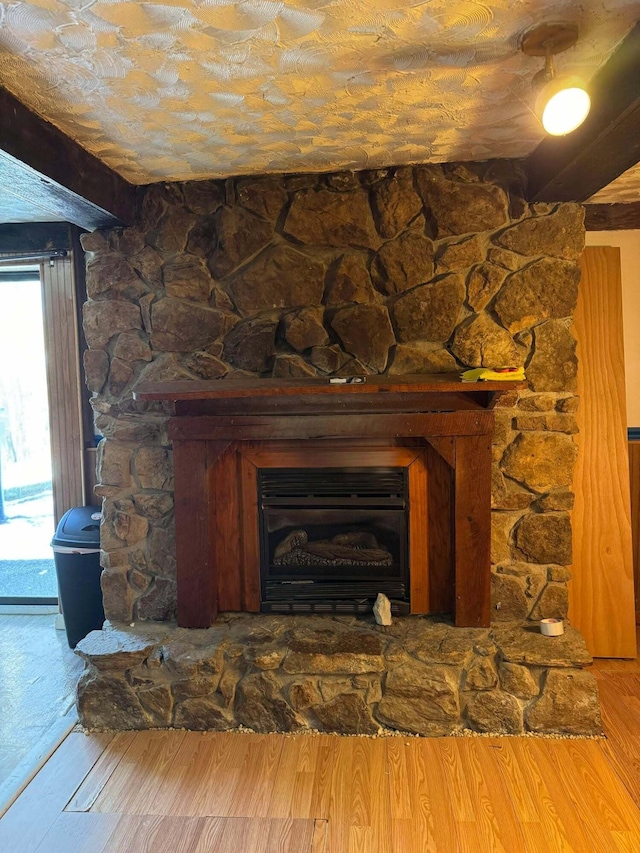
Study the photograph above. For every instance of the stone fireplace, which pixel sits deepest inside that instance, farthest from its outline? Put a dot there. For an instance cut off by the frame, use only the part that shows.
(379, 274)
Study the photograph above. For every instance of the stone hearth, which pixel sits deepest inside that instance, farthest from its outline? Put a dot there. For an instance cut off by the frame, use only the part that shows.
(337, 674)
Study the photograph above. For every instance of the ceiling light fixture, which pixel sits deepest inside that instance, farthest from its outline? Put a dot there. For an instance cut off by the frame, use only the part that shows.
(562, 102)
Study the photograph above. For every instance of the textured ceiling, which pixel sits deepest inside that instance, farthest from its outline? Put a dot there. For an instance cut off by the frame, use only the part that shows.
(189, 89)
(624, 189)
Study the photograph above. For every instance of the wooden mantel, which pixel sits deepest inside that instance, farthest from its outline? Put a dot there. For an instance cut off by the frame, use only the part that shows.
(216, 423)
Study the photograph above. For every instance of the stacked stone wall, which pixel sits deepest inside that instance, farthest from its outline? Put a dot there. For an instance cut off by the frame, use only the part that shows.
(409, 270)
(345, 675)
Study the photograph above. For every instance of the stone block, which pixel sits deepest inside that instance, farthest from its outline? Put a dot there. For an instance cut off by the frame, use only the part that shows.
(404, 262)
(304, 694)
(96, 368)
(202, 713)
(251, 344)
(365, 332)
(495, 712)
(481, 675)
(241, 235)
(206, 366)
(185, 327)
(421, 358)
(395, 203)
(110, 271)
(553, 603)
(529, 646)
(559, 234)
(320, 217)
(303, 329)
(453, 257)
(280, 277)
(286, 366)
(518, 680)
(462, 208)
(430, 312)
(545, 290)
(185, 277)
(480, 342)
(420, 698)
(265, 197)
(508, 598)
(540, 461)
(102, 320)
(554, 364)
(106, 702)
(349, 281)
(154, 468)
(545, 538)
(132, 346)
(347, 714)
(260, 706)
(159, 602)
(483, 283)
(113, 465)
(568, 704)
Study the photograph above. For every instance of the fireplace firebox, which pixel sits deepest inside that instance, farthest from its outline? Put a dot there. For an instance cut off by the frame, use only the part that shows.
(331, 539)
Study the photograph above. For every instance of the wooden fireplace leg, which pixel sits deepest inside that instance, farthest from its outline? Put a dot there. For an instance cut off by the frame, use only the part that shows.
(472, 531)
(197, 582)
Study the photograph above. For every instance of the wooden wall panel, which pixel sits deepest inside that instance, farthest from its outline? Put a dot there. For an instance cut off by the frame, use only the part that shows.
(634, 476)
(64, 383)
(601, 593)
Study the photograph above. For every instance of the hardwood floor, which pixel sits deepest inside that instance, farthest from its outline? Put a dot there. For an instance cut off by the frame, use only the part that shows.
(38, 675)
(191, 792)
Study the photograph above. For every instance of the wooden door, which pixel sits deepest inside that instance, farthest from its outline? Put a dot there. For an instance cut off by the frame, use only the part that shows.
(601, 593)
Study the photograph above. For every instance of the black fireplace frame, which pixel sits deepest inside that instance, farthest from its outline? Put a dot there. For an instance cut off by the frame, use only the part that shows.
(368, 491)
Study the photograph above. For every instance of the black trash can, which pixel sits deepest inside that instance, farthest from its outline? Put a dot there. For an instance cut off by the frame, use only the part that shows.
(76, 552)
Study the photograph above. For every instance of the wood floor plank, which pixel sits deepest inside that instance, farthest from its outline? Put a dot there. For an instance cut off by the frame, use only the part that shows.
(359, 811)
(583, 831)
(550, 826)
(304, 764)
(100, 773)
(421, 815)
(495, 820)
(157, 833)
(603, 794)
(34, 812)
(79, 832)
(320, 832)
(134, 779)
(255, 835)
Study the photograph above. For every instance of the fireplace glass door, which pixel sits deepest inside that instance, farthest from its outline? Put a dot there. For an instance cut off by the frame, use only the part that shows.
(333, 538)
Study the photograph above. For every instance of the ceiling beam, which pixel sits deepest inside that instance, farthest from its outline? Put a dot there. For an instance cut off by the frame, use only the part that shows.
(575, 166)
(41, 165)
(612, 217)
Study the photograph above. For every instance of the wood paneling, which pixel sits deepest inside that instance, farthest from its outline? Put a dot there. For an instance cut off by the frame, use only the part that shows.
(472, 519)
(64, 383)
(440, 524)
(601, 593)
(419, 536)
(634, 477)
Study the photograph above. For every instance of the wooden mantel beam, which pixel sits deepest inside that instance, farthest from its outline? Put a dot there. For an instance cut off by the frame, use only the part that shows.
(576, 166)
(41, 165)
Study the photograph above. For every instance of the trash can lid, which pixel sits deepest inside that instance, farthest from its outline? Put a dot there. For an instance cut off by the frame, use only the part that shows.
(79, 526)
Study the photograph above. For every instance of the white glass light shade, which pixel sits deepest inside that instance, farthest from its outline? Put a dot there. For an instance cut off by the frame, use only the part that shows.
(563, 104)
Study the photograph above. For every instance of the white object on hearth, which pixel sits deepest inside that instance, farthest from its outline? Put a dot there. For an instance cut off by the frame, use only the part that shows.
(382, 609)
(551, 627)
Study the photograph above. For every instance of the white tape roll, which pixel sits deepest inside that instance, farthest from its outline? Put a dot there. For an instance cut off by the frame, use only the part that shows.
(551, 627)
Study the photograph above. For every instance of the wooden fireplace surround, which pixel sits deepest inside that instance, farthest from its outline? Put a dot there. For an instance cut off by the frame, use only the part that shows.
(224, 431)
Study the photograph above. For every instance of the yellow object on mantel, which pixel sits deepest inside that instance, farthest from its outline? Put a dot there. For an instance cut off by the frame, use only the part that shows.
(480, 374)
